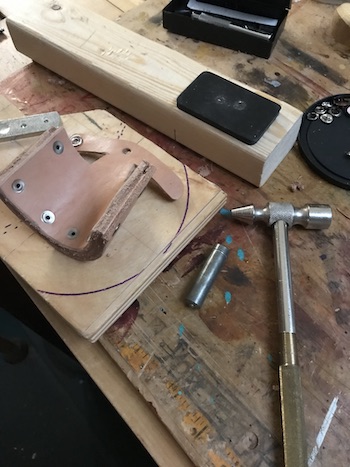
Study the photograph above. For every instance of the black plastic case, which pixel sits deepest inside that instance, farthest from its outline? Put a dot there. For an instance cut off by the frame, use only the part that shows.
(178, 18)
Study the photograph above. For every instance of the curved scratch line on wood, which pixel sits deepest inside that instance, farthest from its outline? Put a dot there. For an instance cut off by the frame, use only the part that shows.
(185, 212)
(104, 289)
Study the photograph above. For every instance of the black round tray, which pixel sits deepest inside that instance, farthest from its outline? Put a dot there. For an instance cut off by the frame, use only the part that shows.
(324, 138)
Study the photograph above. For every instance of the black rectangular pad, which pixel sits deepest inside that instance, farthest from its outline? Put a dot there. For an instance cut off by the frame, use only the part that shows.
(228, 107)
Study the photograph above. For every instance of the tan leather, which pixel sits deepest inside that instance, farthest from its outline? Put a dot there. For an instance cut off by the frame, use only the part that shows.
(89, 201)
(165, 178)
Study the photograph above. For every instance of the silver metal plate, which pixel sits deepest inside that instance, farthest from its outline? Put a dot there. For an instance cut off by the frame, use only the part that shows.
(28, 126)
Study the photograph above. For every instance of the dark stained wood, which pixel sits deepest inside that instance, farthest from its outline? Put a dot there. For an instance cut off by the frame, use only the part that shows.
(211, 374)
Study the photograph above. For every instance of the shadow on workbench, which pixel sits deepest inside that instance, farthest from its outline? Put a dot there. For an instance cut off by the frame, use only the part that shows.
(51, 412)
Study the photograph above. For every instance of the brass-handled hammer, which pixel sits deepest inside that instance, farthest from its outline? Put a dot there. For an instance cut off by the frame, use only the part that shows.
(282, 216)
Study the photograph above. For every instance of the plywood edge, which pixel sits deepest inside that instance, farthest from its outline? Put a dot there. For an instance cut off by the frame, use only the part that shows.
(143, 79)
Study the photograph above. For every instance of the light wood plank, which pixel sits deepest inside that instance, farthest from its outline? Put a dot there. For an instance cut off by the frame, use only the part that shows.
(154, 232)
(11, 60)
(143, 79)
(111, 9)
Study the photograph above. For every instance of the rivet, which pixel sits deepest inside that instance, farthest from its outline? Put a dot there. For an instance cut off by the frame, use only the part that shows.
(126, 150)
(56, 7)
(326, 104)
(48, 217)
(341, 101)
(76, 140)
(335, 111)
(326, 118)
(72, 233)
(58, 147)
(18, 185)
(312, 116)
(320, 110)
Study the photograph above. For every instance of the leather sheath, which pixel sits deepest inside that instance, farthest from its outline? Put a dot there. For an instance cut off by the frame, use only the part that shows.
(76, 205)
(165, 178)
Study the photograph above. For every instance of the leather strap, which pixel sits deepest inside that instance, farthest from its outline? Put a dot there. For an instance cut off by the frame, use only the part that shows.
(165, 178)
(75, 205)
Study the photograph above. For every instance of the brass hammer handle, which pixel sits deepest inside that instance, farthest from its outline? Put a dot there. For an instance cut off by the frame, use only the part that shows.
(281, 216)
(293, 425)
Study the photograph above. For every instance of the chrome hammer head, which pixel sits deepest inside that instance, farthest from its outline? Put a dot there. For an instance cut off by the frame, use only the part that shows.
(310, 216)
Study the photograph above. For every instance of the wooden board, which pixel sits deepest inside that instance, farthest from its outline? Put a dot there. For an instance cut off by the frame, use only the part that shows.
(11, 60)
(91, 295)
(142, 78)
(237, 340)
(111, 9)
(212, 374)
(306, 64)
(341, 24)
(216, 369)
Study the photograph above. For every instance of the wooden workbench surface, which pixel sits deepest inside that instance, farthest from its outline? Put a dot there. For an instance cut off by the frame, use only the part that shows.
(211, 375)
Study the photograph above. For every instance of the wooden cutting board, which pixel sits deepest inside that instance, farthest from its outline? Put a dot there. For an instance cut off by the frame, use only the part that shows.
(92, 295)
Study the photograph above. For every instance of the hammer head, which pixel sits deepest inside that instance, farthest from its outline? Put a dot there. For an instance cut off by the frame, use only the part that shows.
(310, 216)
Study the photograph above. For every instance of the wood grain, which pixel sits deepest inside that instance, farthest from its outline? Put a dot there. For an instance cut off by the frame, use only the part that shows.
(218, 367)
(215, 369)
(306, 64)
(142, 78)
(11, 60)
(111, 9)
(341, 24)
(154, 232)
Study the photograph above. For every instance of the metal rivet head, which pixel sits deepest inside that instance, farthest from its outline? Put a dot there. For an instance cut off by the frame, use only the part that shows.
(48, 217)
(72, 233)
(335, 111)
(18, 186)
(326, 104)
(312, 116)
(58, 147)
(341, 101)
(126, 150)
(347, 154)
(76, 140)
(320, 110)
(326, 118)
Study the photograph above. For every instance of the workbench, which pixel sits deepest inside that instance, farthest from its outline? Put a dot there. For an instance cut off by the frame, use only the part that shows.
(200, 387)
